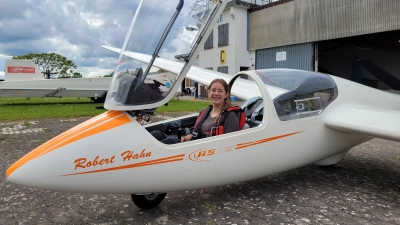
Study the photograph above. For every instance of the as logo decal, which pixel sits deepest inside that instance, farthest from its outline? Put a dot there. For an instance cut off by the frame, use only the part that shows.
(198, 156)
(202, 155)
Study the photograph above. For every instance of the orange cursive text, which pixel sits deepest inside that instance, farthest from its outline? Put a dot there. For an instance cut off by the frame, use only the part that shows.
(128, 155)
(81, 162)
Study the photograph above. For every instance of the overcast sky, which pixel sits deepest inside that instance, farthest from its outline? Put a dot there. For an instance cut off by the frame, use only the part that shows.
(75, 29)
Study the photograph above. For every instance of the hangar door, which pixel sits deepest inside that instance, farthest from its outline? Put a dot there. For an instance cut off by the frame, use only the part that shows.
(300, 56)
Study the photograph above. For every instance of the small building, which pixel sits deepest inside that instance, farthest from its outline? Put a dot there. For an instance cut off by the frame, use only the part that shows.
(226, 49)
(19, 70)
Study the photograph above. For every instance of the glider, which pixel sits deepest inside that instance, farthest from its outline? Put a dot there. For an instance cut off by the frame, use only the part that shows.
(295, 118)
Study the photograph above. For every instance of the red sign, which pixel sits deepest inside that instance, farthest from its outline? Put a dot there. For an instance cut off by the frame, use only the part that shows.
(20, 69)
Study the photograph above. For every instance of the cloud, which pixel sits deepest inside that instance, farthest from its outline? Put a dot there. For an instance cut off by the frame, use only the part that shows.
(76, 29)
(3, 58)
(94, 71)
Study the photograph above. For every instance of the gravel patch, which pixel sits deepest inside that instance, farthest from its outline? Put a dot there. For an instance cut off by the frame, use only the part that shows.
(364, 188)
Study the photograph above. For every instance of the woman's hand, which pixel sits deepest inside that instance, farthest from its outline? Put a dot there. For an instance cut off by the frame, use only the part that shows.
(186, 138)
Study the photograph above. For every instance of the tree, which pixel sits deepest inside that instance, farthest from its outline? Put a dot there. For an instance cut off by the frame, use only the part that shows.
(74, 75)
(51, 64)
(109, 75)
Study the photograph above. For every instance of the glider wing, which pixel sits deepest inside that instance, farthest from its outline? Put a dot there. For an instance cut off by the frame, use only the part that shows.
(243, 89)
(371, 121)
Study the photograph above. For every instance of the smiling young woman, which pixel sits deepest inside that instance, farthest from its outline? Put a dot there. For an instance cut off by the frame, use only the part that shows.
(209, 118)
(218, 94)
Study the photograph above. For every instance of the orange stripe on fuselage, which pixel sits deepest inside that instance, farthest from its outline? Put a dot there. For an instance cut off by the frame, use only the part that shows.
(178, 157)
(85, 125)
(89, 131)
(252, 143)
(98, 119)
(146, 163)
(100, 123)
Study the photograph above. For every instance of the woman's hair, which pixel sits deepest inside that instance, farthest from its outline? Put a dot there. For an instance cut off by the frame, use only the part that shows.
(227, 100)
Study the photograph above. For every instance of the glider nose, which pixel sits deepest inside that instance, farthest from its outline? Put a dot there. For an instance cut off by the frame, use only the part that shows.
(16, 175)
(28, 170)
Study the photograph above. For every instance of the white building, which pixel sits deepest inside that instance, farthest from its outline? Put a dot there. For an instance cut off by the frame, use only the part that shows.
(226, 48)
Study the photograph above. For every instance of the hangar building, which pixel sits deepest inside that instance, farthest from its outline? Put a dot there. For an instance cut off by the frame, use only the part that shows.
(357, 40)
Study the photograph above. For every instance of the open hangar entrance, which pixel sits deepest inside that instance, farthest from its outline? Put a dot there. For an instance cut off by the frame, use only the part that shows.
(371, 59)
(328, 36)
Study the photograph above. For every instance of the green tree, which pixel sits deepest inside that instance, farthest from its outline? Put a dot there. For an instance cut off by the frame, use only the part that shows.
(109, 75)
(74, 75)
(63, 76)
(51, 64)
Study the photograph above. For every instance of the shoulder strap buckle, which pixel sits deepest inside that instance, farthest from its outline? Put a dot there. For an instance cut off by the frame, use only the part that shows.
(194, 134)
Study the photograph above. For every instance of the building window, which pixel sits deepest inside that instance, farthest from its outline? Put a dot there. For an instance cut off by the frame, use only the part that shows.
(242, 68)
(223, 69)
(209, 43)
(223, 35)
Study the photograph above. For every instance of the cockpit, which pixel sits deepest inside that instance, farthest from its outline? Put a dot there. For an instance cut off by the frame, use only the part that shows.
(132, 89)
(142, 81)
(177, 29)
(302, 93)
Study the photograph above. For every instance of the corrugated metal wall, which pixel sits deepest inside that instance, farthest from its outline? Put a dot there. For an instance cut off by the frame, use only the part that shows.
(299, 56)
(304, 21)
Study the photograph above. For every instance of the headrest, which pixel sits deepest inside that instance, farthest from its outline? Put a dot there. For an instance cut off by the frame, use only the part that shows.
(249, 108)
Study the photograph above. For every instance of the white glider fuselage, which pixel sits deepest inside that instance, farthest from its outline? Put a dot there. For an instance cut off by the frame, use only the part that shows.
(307, 118)
(112, 153)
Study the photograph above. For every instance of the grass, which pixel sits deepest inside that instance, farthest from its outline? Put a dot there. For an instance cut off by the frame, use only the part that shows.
(183, 106)
(35, 108)
(12, 109)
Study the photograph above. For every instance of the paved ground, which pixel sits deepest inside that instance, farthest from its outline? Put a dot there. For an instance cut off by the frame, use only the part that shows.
(362, 189)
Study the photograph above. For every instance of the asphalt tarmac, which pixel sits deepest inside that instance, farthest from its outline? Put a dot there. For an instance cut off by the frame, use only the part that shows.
(364, 188)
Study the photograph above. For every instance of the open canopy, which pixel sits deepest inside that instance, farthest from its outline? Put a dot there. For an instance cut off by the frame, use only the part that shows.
(167, 29)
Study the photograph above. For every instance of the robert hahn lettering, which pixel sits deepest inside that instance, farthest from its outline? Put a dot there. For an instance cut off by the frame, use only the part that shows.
(97, 161)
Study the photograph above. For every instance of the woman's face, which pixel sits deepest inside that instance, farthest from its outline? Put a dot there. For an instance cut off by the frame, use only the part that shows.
(217, 94)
